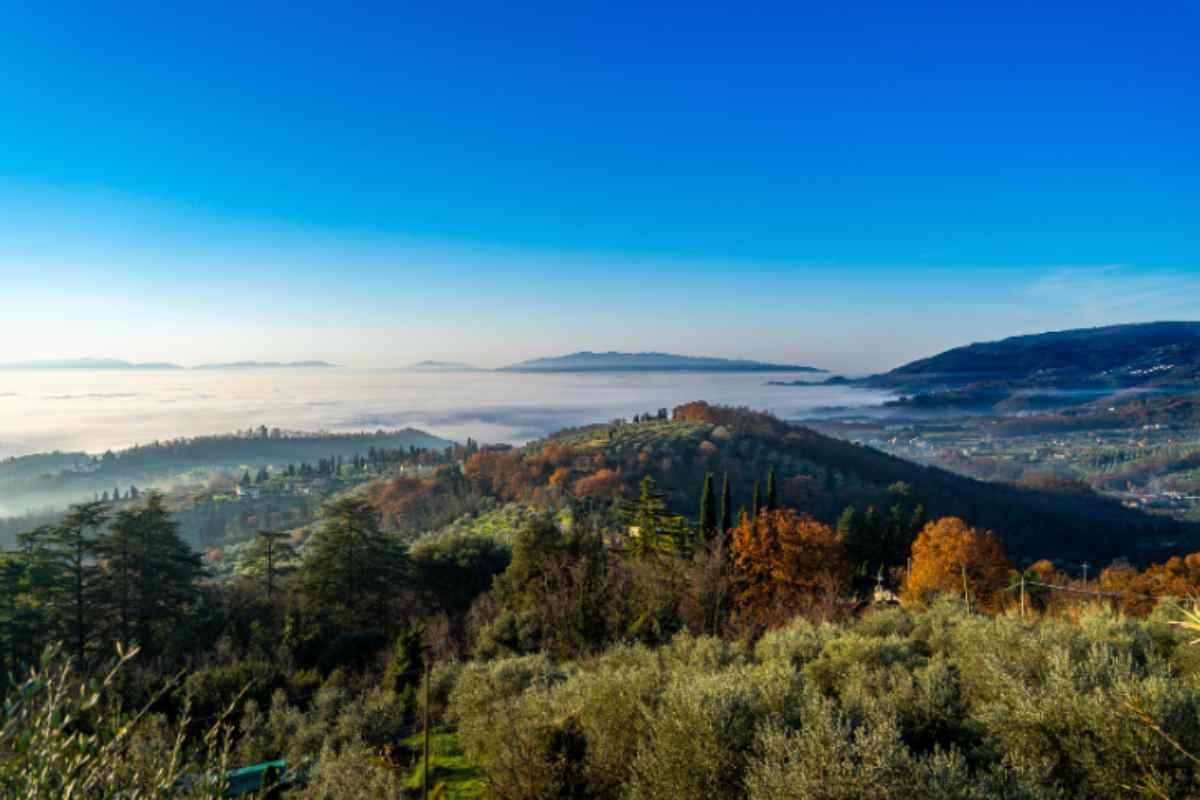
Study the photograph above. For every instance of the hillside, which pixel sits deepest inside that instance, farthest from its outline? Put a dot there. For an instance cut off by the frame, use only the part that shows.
(44, 481)
(1155, 353)
(587, 361)
(594, 465)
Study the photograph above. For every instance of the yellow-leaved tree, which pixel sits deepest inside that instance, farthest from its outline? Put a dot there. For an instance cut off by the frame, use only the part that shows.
(785, 563)
(951, 556)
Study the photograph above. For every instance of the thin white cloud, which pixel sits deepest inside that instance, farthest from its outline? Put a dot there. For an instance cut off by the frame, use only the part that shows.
(1110, 293)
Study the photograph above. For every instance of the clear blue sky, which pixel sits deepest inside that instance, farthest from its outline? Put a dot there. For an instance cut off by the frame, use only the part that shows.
(844, 184)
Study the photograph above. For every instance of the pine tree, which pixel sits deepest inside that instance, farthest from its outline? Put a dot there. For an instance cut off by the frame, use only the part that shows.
(39, 583)
(657, 529)
(272, 550)
(73, 548)
(708, 508)
(726, 506)
(756, 506)
(151, 573)
(772, 498)
(351, 566)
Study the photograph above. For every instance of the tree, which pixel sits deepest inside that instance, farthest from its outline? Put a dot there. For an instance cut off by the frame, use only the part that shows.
(756, 506)
(39, 582)
(726, 506)
(263, 476)
(951, 556)
(772, 496)
(783, 562)
(351, 566)
(708, 508)
(12, 575)
(651, 527)
(73, 548)
(150, 573)
(272, 549)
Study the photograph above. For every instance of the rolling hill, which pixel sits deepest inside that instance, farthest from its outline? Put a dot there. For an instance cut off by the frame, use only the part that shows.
(817, 474)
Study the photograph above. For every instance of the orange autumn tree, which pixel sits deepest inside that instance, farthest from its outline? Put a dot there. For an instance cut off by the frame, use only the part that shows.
(947, 549)
(785, 562)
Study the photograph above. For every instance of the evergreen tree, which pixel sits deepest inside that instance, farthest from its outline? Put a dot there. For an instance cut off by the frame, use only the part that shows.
(657, 529)
(726, 506)
(756, 506)
(272, 550)
(12, 573)
(151, 573)
(351, 566)
(73, 548)
(263, 476)
(39, 583)
(708, 508)
(772, 498)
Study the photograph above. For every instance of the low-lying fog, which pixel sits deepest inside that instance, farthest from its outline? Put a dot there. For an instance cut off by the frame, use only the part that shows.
(93, 411)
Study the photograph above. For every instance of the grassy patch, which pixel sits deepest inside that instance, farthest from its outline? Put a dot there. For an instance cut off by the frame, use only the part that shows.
(449, 771)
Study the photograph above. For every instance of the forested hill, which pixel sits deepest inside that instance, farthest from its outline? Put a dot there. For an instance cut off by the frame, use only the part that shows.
(1155, 353)
(817, 474)
(54, 480)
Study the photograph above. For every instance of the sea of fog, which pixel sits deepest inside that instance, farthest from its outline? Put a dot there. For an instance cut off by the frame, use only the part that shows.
(92, 411)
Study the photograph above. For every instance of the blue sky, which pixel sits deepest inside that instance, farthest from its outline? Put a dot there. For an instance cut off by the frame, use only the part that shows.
(850, 185)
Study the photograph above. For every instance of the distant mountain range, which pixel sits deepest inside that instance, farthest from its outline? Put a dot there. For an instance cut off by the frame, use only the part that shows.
(86, 363)
(118, 364)
(587, 361)
(267, 365)
(442, 366)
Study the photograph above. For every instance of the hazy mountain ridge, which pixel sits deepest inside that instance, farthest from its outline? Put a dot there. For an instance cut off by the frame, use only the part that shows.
(121, 364)
(267, 365)
(613, 361)
(442, 366)
(86, 363)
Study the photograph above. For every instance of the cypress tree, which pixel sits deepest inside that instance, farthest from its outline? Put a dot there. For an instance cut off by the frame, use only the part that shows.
(756, 506)
(708, 508)
(772, 497)
(726, 506)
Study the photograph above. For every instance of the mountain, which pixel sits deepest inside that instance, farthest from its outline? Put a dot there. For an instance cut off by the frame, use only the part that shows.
(442, 366)
(1116, 356)
(588, 361)
(1047, 371)
(267, 365)
(86, 363)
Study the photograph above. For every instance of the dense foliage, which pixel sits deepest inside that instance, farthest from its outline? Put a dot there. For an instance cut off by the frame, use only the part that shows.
(595, 620)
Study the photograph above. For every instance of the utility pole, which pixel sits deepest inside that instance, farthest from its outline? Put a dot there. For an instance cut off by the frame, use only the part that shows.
(1022, 595)
(966, 591)
(425, 772)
